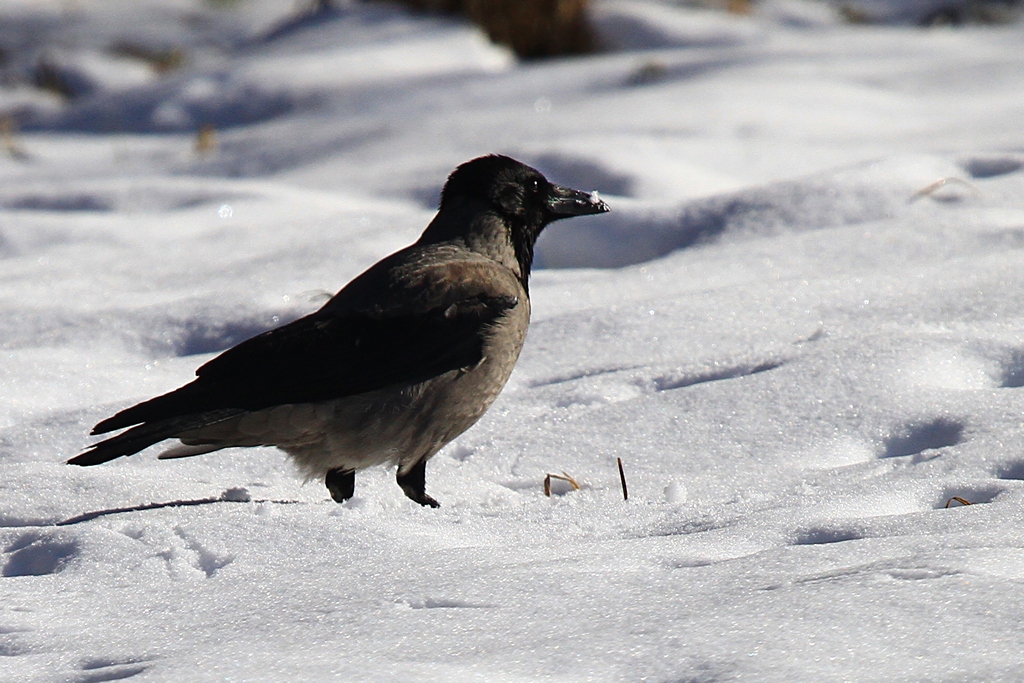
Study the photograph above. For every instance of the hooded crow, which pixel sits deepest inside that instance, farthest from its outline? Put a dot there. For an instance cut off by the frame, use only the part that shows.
(405, 358)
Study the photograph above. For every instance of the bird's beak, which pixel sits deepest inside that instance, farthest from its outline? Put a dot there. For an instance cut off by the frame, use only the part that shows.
(565, 202)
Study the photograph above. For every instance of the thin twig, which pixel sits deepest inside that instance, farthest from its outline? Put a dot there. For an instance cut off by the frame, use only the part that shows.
(622, 478)
(959, 500)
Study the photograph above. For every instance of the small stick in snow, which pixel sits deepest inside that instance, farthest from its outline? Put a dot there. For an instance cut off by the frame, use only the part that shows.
(206, 139)
(959, 500)
(941, 183)
(160, 61)
(561, 477)
(622, 479)
(8, 127)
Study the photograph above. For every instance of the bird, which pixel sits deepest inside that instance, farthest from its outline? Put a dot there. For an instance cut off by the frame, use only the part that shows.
(401, 361)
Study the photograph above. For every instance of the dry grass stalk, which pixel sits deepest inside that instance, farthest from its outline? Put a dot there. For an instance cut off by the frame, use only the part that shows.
(206, 139)
(532, 28)
(535, 28)
(49, 77)
(957, 499)
(8, 128)
(161, 61)
(561, 477)
(932, 188)
(742, 7)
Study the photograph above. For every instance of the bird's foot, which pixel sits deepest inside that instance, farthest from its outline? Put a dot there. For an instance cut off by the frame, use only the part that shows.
(424, 500)
(341, 483)
(414, 484)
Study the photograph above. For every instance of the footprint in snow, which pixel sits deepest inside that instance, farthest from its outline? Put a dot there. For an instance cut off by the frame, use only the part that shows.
(38, 554)
(919, 438)
(1013, 471)
(100, 669)
(981, 168)
(820, 535)
(717, 374)
(185, 556)
(1011, 371)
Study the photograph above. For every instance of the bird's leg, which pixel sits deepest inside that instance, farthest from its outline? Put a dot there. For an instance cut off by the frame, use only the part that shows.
(341, 483)
(414, 484)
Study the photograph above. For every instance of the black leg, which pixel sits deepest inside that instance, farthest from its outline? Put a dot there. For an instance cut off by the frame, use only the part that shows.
(414, 484)
(341, 483)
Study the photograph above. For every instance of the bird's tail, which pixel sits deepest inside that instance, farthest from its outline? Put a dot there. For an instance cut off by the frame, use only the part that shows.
(127, 443)
(144, 435)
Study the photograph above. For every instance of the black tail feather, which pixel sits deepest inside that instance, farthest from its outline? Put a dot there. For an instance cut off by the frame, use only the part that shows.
(185, 400)
(145, 435)
(132, 441)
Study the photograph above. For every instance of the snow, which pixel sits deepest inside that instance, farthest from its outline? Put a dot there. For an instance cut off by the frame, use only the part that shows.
(799, 328)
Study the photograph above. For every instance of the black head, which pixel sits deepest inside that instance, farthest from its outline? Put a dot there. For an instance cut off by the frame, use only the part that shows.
(524, 200)
(518, 192)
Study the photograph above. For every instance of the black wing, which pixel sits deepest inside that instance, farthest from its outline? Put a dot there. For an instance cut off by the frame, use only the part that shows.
(326, 356)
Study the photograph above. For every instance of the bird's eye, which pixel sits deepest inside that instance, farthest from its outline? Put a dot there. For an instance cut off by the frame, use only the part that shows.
(534, 186)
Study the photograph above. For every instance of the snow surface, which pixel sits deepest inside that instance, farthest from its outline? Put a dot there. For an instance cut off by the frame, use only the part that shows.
(801, 329)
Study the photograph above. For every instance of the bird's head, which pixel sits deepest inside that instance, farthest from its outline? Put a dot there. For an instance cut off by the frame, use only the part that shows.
(500, 205)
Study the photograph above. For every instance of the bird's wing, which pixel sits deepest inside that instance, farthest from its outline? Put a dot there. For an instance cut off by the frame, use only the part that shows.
(432, 324)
